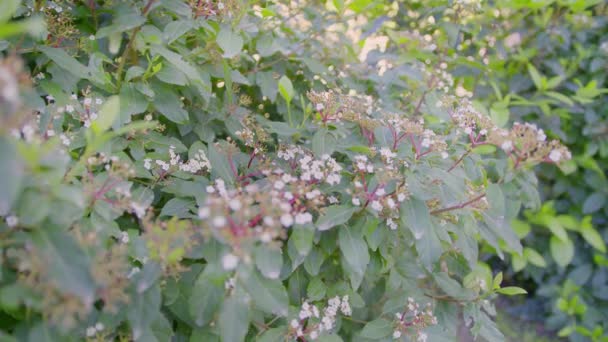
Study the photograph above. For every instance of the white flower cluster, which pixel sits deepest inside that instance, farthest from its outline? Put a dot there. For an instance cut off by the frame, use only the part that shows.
(413, 320)
(311, 323)
(362, 164)
(199, 162)
(312, 170)
(94, 329)
(260, 213)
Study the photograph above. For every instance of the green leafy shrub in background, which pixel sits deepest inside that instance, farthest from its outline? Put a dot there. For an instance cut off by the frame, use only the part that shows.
(203, 171)
(546, 63)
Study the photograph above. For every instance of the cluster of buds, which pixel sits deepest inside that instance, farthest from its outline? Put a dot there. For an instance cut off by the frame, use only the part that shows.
(385, 205)
(413, 320)
(253, 136)
(58, 306)
(311, 323)
(84, 109)
(333, 106)
(260, 211)
(309, 168)
(110, 270)
(112, 164)
(470, 121)
(526, 142)
(523, 142)
(168, 242)
(198, 163)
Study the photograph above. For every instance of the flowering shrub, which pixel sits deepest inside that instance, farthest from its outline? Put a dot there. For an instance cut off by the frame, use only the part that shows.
(185, 169)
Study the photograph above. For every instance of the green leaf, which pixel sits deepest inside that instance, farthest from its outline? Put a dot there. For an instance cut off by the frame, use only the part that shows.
(316, 289)
(168, 103)
(68, 265)
(302, 238)
(354, 250)
(273, 335)
(143, 311)
(536, 77)
(268, 295)
(286, 89)
(335, 215)
(269, 261)
(131, 102)
(451, 287)
(7, 9)
(234, 319)
(534, 257)
(11, 169)
(323, 142)
(107, 115)
(177, 207)
(594, 203)
(593, 238)
(562, 251)
(415, 215)
(377, 329)
(121, 22)
(70, 64)
(205, 299)
(511, 290)
(518, 262)
(221, 166)
(230, 42)
(497, 281)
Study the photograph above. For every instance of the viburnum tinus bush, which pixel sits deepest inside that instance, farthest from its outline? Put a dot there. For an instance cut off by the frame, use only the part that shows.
(201, 170)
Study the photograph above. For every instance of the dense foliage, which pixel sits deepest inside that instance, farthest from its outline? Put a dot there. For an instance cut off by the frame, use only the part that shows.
(551, 69)
(229, 171)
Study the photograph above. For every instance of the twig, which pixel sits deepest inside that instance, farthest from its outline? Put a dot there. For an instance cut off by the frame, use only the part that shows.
(458, 206)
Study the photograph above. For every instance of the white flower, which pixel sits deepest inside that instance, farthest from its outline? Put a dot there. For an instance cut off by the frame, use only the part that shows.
(87, 101)
(295, 324)
(286, 220)
(65, 140)
(12, 221)
(555, 156)
(147, 163)
(319, 107)
(99, 326)
(124, 237)
(507, 145)
(69, 108)
(203, 212)
(91, 331)
(279, 185)
(422, 337)
(401, 197)
(230, 261)
(219, 221)
(303, 218)
(391, 224)
(444, 155)
(235, 204)
(396, 334)
(138, 209)
(98, 101)
(356, 201)
(376, 205)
